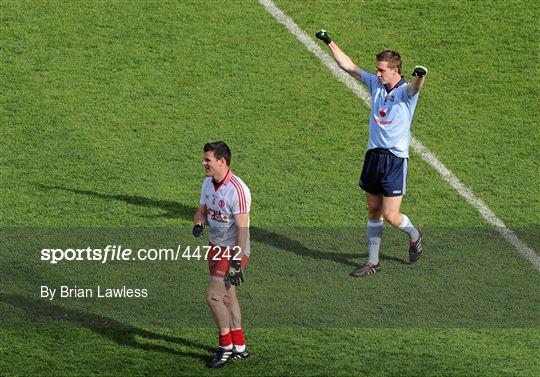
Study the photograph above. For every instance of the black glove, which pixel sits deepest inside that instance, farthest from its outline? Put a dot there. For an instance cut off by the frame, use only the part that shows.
(235, 276)
(419, 71)
(198, 230)
(323, 36)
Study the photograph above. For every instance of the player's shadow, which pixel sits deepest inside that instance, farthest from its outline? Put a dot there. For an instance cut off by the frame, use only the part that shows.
(284, 243)
(120, 333)
(279, 241)
(173, 210)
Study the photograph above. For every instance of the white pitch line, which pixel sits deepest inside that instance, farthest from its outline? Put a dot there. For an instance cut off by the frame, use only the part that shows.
(417, 146)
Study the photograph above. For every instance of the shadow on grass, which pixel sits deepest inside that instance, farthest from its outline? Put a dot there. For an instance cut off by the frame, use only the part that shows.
(178, 210)
(120, 333)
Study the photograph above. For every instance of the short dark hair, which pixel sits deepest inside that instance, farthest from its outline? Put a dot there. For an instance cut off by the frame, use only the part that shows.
(220, 149)
(393, 58)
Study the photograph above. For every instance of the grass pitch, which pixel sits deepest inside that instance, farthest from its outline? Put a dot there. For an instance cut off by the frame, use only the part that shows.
(105, 109)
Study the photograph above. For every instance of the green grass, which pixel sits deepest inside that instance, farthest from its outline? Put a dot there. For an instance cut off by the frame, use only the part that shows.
(105, 107)
(368, 352)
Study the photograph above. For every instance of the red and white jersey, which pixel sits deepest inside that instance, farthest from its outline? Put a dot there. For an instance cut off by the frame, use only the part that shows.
(223, 201)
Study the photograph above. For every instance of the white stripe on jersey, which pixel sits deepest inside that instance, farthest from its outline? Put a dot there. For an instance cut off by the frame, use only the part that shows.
(240, 192)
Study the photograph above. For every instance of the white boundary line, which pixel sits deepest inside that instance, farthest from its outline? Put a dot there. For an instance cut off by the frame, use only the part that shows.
(418, 147)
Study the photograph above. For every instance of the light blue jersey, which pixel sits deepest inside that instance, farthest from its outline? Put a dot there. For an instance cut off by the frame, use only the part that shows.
(391, 115)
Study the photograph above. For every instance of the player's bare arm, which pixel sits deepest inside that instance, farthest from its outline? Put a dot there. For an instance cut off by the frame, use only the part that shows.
(242, 225)
(235, 275)
(340, 57)
(344, 62)
(199, 220)
(200, 215)
(417, 82)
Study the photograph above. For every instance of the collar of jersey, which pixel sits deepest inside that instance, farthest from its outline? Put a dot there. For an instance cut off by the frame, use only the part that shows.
(400, 82)
(225, 180)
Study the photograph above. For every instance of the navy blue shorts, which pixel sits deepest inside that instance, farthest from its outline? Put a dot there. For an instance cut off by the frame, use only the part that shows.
(384, 173)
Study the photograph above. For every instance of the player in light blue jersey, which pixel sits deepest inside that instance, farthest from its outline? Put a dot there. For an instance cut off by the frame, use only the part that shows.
(384, 175)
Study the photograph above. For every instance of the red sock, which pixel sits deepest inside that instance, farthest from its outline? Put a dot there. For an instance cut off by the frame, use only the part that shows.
(225, 340)
(238, 337)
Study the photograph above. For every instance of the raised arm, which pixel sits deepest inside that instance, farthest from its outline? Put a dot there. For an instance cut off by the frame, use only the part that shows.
(340, 57)
(417, 82)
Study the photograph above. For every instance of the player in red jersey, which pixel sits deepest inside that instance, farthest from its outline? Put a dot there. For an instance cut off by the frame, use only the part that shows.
(224, 207)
